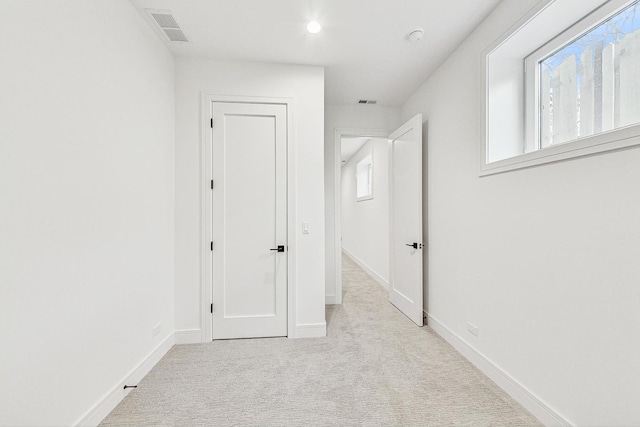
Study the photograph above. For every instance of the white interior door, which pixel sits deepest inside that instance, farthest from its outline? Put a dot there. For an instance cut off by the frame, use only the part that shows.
(405, 219)
(249, 214)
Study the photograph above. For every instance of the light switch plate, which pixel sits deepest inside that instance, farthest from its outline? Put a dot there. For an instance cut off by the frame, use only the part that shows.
(305, 228)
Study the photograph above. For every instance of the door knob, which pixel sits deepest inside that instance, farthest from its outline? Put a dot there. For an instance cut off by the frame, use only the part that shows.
(280, 248)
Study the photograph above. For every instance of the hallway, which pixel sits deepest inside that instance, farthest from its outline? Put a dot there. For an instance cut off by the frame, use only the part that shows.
(374, 368)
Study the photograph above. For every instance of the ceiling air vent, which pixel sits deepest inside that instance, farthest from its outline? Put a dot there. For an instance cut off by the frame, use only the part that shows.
(175, 35)
(165, 20)
(366, 101)
(168, 25)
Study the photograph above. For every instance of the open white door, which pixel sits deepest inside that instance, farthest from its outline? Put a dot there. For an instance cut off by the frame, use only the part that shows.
(405, 219)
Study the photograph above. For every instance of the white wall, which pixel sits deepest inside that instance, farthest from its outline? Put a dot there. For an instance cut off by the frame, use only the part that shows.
(365, 224)
(306, 85)
(86, 204)
(543, 260)
(362, 117)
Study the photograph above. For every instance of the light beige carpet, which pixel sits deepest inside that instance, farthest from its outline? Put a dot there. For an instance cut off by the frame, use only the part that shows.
(374, 368)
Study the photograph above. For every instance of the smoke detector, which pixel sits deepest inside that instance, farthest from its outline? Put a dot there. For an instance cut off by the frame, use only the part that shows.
(168, 25)
(415, 35)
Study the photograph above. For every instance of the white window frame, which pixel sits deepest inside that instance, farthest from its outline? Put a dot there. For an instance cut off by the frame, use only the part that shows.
(529, 133)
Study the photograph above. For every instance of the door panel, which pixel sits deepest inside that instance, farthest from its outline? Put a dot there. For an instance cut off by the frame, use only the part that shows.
(405, 213)
(249, 219)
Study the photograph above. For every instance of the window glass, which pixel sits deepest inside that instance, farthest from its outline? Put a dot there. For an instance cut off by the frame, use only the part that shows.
(592, 84)
(364, 178)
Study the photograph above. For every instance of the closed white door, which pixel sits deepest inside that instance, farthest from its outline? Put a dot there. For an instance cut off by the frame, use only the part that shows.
(249, 216)
(405, 214)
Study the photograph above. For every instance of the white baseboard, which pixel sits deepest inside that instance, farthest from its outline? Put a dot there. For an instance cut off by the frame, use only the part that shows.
(378, 278)
(188, 336)
(311, 330)
(330, 299)
(101, 409)
(510, 385)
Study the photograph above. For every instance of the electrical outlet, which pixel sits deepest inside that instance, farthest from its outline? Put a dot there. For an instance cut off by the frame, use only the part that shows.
(472, 328)
(156, 329)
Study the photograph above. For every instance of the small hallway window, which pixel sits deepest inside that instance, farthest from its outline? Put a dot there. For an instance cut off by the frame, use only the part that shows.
(364, 178)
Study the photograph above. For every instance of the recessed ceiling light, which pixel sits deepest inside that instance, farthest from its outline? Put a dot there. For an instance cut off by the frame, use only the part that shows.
(314, 27)
(415, 35)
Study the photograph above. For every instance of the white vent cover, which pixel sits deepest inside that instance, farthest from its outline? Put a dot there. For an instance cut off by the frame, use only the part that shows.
(168, 25)
(175, 35)
(164, 20)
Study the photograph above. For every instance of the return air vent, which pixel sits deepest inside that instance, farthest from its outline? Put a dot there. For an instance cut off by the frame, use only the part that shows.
(175, 35)
(367, 101)
(168, 24)
(164, 20)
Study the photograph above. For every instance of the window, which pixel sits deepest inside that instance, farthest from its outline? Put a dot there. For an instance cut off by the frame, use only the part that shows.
(364, 178)
(590, 85)
(579, 92)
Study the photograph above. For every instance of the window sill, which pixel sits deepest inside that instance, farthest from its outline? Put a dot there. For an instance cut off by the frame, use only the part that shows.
(613, 140)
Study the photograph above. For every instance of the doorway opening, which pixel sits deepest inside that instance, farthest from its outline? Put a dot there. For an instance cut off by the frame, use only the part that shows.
(353, 135)
(364, 196)
(378, 211)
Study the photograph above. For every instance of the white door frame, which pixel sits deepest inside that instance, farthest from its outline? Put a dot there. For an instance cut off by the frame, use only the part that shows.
(337, 194)
(206, 258)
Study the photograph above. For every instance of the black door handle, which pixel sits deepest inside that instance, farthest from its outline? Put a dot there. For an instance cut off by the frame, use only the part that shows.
(280, 248)
(415, 245)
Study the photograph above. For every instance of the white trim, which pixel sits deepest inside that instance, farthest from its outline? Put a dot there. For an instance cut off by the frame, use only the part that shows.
(625, 137)
(206, 259)
(330, 300)
(188, 336)
(374, 275)
(339, 133)
(311, 330)
(506, 382)
(292, 179)
(102, 408)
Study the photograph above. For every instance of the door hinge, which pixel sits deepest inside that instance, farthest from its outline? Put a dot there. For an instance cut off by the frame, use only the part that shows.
(212, 184)
(211, 122)
(212, 246)
(211, 308)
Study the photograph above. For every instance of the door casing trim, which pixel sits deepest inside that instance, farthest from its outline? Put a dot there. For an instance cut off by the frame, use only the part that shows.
(206, 256)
